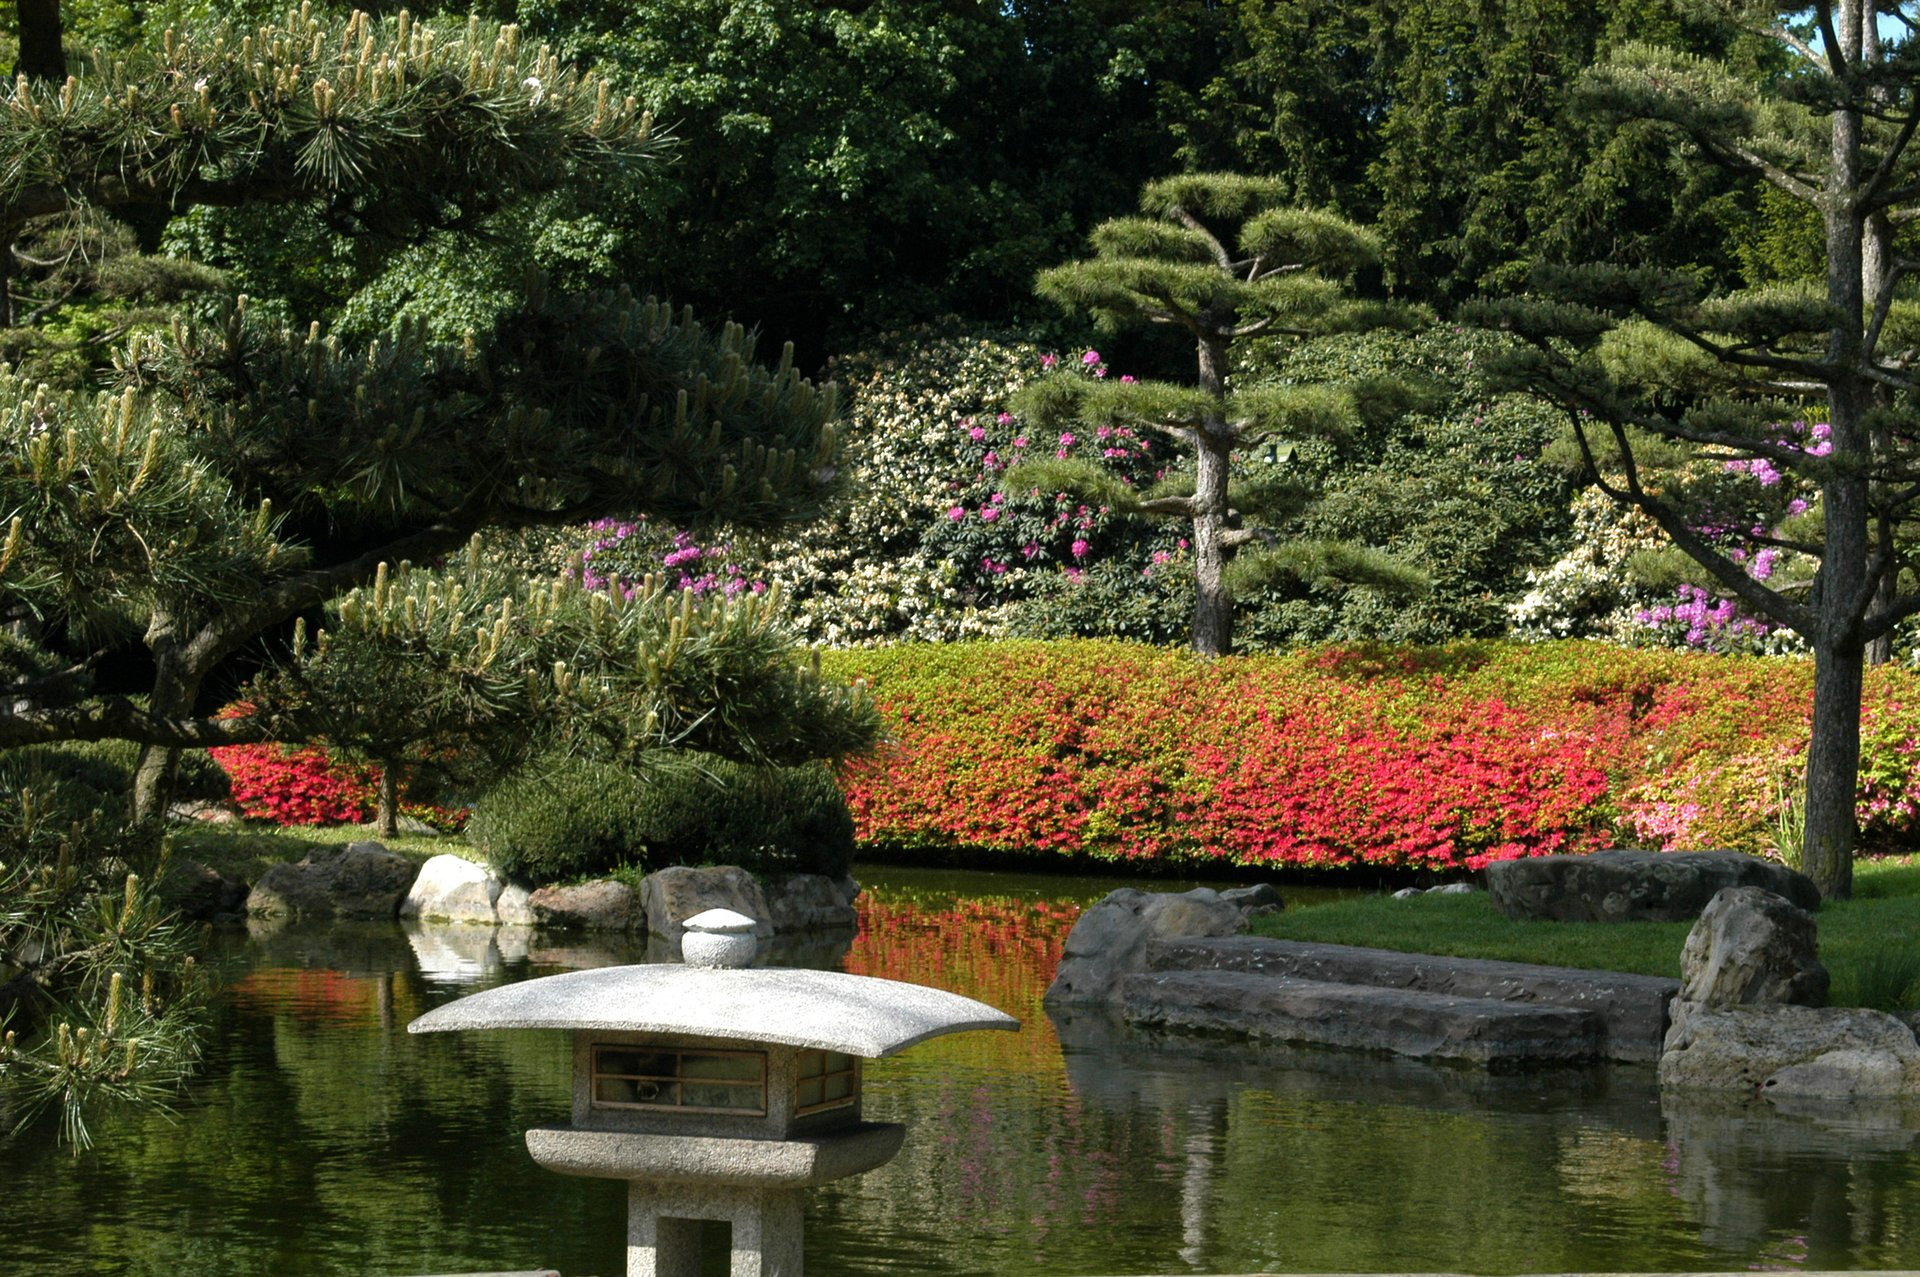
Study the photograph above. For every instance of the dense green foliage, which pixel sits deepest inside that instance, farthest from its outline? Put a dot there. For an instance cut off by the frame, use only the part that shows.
(564, 817)
(1455, 128)
(1455, 487)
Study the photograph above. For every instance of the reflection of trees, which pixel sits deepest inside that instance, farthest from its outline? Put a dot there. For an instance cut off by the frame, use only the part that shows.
(319, 1140)
(1811, 1184)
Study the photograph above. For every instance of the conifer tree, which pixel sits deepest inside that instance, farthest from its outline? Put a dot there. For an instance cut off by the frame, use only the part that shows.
(1224, 258)
(391, 127)
(1669, 392)
(246, 474)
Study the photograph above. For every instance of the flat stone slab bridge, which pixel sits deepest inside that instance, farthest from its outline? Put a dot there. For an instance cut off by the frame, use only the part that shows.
(1500, 1015)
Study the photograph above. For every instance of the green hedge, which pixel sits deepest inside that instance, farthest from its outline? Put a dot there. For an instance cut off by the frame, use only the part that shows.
(566, 817)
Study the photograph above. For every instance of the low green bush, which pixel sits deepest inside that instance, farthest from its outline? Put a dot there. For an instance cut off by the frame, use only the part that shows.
(568, 817)
(559, 817)
(706, 810)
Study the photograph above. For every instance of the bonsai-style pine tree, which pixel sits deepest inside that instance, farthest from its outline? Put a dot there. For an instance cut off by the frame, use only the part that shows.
(1672, 396)
(1222, 257)
(247, 474)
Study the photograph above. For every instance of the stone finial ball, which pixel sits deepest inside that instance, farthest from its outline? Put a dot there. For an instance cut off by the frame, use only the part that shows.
(718, 938)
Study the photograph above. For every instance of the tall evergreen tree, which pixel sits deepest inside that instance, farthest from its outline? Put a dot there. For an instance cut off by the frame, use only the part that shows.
(1816, 380)
(1222, 257)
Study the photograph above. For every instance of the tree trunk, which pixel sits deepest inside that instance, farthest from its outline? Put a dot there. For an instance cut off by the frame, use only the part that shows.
(387, 810)
(41, 57)
(1876, 264)
(1833, 765)
(158, 769)
(1212, 601)
(1839, 655)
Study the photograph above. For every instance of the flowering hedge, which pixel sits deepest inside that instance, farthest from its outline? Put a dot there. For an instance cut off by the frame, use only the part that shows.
(304, 785)
(1410, 757)
(297, 785)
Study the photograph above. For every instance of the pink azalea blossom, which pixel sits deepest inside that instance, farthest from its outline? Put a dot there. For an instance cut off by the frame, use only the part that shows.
(958, 513)
(1091, 358)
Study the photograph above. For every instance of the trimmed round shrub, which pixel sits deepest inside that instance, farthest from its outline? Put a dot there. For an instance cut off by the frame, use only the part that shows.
(569, 817)
(707, 810)
(559, 817)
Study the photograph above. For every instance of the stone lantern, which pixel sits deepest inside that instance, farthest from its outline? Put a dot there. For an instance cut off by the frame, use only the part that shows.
(717, 1090)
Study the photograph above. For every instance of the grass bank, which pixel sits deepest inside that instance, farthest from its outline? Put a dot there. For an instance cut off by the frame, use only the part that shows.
(243, 850)
(1870, 944)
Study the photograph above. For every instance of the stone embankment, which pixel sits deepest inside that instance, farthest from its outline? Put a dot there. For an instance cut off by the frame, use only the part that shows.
(1174, 963)
(364, 880)
(1748, 1016)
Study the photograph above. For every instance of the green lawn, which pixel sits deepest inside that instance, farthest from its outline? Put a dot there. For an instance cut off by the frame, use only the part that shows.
(244, 850)
(1871, 944)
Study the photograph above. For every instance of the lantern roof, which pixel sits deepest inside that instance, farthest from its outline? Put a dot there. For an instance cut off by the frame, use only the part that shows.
(822, 1010)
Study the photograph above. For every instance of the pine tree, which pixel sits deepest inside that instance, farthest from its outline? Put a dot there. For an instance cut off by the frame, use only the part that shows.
(1669, 392)
(246, 474)
(392, 128)
(467, 671)
(1223, 257)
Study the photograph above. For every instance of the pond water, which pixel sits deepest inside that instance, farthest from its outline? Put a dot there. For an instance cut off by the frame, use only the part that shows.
(323, 1139)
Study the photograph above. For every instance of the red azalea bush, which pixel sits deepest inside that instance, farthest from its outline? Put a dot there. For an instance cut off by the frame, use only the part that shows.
(297, 784)
(1332, 756)
(305, 785)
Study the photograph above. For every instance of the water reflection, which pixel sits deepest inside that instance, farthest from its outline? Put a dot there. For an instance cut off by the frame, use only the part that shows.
(325, 1140)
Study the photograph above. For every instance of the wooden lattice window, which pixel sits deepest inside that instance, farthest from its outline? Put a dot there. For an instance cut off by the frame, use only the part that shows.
(825, 1080)
(685, 1080)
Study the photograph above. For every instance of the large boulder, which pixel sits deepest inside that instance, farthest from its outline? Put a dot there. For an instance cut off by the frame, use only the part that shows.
(670, 896)
(1751, 946)
(1109, 942)
(602, 905)
(453, 889)
(361, 880)
(1750, 1016)
(514, 906)
(202, 894)
(1635, 886)
(1786, 1050)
